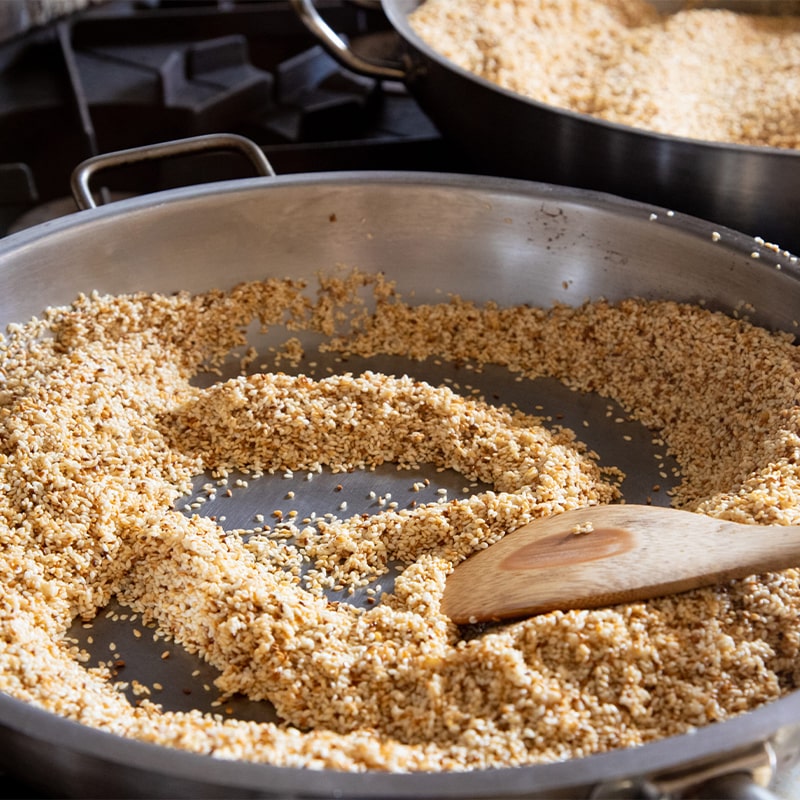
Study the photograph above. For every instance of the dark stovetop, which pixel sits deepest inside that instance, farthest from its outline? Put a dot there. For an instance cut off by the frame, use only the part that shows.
(125, 73)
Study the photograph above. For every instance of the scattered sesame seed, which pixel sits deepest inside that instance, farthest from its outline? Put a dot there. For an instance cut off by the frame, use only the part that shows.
(355, 687)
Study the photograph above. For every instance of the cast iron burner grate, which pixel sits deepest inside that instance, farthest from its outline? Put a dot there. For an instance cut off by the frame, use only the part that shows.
(123, 74)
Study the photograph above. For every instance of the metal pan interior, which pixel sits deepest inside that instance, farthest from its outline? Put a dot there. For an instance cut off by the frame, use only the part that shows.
(485, 239)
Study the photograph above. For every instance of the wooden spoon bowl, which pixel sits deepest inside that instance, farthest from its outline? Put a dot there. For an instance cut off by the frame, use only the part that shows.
(603, 555)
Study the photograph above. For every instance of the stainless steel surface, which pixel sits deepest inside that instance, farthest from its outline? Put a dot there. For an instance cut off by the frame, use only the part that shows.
(508, 241)
(751, 189)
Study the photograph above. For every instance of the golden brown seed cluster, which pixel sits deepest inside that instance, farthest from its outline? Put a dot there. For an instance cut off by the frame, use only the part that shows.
(103, 426)
(707, 74)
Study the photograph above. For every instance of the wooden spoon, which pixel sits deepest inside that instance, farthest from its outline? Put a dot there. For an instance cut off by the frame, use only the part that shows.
(603, 555)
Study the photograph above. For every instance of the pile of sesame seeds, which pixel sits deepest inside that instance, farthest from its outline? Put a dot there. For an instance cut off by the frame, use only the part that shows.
(708, 74)
(105, 423)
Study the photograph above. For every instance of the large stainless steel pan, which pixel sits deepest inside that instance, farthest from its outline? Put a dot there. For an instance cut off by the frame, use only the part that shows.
(751, 189)
(484, 238)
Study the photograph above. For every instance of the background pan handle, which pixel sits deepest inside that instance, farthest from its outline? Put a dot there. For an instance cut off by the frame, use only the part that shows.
(338, 48)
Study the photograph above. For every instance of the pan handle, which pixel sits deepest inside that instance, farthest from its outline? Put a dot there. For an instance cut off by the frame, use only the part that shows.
(338, 48)
(83, 173)
(736, 786)
(745, 775)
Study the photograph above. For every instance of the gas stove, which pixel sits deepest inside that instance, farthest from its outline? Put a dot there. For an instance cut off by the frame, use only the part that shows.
(92, 77)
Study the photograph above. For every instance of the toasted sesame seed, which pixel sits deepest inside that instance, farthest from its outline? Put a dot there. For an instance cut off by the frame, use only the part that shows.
(609, 59)
(392, 686)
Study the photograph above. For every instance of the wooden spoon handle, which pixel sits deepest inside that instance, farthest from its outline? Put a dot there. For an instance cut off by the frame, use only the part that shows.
(611, 554)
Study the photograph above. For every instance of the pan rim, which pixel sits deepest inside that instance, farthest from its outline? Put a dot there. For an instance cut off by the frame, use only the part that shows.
(596, 198)
(710, 744)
